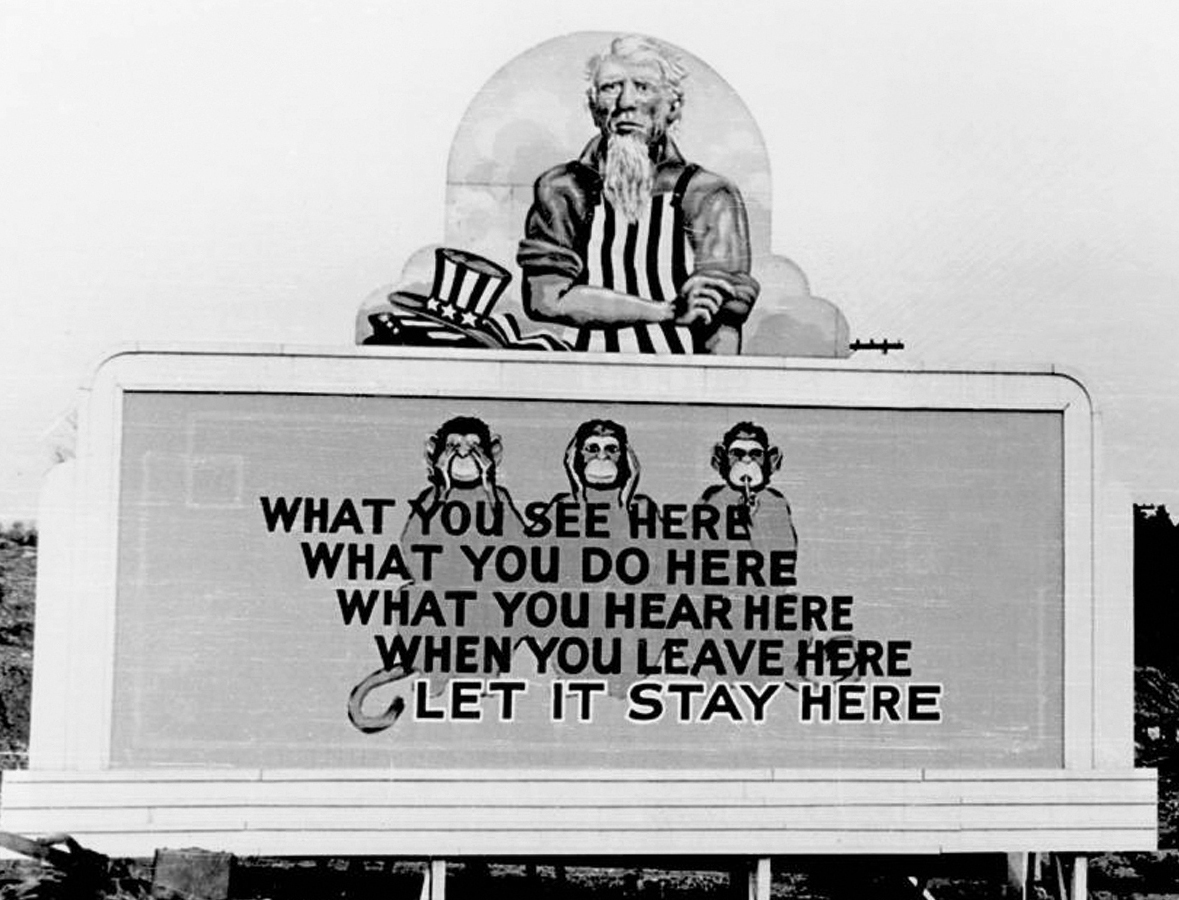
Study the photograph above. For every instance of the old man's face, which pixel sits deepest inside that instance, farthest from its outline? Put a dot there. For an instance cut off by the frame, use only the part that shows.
(630, 99)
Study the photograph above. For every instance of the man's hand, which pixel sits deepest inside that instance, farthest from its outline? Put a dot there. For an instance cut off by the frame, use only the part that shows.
(701, 298)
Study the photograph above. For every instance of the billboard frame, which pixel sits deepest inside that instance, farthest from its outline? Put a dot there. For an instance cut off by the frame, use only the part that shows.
(73, 678)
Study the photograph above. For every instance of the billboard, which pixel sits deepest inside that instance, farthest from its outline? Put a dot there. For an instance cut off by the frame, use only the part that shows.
(527, 603)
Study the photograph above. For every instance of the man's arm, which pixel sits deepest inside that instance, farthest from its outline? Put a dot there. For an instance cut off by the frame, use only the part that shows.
(552, 297)
(719, 232)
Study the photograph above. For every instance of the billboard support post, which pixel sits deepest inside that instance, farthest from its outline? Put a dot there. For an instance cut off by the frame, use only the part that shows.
(1019, 874)
(760, 878)
(434, 880)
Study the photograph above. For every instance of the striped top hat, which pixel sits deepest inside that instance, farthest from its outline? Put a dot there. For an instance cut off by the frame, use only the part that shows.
(466, 286)
(457, 310)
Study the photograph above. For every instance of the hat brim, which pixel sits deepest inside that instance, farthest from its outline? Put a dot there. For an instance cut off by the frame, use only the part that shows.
(408, 299)
(411, 323)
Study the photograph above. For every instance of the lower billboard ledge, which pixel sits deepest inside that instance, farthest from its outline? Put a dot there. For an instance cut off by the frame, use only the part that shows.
(384, 813)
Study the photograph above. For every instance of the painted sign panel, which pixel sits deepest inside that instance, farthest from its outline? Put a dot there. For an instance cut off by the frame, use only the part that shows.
(337, 581)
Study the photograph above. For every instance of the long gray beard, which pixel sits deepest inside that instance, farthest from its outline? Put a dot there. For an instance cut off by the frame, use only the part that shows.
(629, 176)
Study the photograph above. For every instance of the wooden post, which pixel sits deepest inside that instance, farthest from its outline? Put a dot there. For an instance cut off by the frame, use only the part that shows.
(760, 877)
(919, 884)
(1018, 872)
(1059, 876)
(1072, 875)
(434, 882)
(1079, 883)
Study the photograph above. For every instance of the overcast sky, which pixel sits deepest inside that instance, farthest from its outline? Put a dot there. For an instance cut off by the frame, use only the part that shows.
(994, 183)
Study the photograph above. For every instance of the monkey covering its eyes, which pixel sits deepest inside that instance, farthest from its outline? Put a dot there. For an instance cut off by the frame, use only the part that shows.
(463, 454)
(464, 501)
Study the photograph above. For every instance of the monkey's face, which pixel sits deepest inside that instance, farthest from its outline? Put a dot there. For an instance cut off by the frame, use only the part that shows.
(463, 458)
(746, 464)
(600, 455)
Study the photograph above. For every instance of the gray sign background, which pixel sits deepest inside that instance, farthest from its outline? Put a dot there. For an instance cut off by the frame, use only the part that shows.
(946, 527)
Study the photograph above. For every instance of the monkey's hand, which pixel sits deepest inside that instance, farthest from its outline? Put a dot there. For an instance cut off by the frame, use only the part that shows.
(752, 501)
(701, 298)
(442, 468)
(486, 474)
(571, 469)
(626, 493)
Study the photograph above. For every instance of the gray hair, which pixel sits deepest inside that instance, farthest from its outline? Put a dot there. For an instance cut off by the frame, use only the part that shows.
(640, 48)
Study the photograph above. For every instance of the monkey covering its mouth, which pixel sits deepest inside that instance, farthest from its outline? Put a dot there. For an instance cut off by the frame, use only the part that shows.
(746, 460)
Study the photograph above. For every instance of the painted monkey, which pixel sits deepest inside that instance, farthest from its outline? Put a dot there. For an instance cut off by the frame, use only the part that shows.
(599, 460)
(463, 453)
(464, 500)
(603, 470)
(747, 462)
